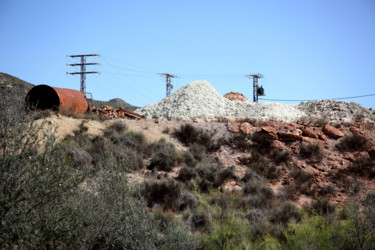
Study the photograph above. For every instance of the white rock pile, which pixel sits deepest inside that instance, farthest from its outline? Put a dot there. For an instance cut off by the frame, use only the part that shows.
(337, 111)
(200, 100)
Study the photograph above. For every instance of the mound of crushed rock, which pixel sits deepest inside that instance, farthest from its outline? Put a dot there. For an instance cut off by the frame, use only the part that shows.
(337, 111)
(200, 100)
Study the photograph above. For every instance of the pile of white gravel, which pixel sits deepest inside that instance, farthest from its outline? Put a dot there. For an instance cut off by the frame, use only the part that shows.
(337, 111)
(200, 100)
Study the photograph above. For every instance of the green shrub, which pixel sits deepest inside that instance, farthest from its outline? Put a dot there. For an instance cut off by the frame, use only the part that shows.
(284, 213)
(49, 200)
(300, 176)
(250, 174)
(262, 142)
(116, 128)
(207, 171)
(173, 234)
(37, 184)
(188, 134)
(189, 159)
(280, 156)
(186, 174)
(198, 152)
(313, 152)
(322, 207)
(230, 233)
(353, 142)
(241, 141)
(204, 185)
(258, 195)
(312, 233)
(224, 175)
(200, 221)
(165, 156)
(328, 189)
(133, 140)
(170, 195)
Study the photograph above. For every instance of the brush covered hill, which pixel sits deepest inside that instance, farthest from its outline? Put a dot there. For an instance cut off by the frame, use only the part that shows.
(14, 90)
(193, 184)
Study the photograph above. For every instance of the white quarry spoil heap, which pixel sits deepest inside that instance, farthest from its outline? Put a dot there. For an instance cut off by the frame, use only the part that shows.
(200, 100)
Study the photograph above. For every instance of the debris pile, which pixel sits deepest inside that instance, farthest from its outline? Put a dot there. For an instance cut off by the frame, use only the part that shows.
(109, 112)
(235, 96)
(336, 111)
(200, 100)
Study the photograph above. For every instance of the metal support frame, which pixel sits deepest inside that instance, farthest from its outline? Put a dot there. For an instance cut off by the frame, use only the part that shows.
(168, 81)
(255, 85)
(83, 71)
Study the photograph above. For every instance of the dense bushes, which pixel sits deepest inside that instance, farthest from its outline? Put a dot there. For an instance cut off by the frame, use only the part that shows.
(164, 156)
(50, 200)
(188, 134)
(168, 194)
(353, 142)
(76, 195)
(313, 152)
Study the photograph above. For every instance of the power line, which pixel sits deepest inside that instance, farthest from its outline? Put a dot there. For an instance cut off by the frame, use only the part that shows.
(129, 64)
(168, 81)
(83, 71)
(337, 98)
(256, 90)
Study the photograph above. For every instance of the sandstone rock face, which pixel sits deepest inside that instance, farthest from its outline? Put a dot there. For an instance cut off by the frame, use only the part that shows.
(332, 132)
(235, 96)
(270, 130)
(234, 127)
(278, 144)
(246, 128)
(309, 132)
(290, 135)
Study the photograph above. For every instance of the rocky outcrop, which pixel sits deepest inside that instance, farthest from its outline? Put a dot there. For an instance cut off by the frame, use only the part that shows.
(332, 131)
(235, 96)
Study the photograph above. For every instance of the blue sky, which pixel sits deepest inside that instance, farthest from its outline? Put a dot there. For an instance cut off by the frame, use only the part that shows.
(305, 49)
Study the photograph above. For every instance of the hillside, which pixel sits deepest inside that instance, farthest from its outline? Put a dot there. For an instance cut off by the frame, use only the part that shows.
(289, 177)
(13, 88)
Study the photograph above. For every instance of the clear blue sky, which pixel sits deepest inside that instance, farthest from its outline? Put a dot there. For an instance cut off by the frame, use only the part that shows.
(305, 49)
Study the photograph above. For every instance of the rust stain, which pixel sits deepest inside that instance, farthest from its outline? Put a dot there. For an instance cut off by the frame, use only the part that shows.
(72, 100)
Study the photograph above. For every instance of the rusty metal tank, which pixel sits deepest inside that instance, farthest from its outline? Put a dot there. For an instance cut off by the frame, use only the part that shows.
(59, 99)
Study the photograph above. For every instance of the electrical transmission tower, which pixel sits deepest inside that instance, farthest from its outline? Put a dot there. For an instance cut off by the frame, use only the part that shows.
(168, 81)
(83, 71)
(256, 90)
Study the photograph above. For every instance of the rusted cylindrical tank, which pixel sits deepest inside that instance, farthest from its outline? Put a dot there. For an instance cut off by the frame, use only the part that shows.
(60, 99)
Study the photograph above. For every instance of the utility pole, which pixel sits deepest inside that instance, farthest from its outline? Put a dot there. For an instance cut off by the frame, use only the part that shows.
(83, 71)
(256, 90)
(169, 85)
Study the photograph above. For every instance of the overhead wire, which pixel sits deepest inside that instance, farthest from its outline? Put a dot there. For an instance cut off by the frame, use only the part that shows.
(336, 98)
(129, 64)
(141, 93)
(138, 71)
(117, 86)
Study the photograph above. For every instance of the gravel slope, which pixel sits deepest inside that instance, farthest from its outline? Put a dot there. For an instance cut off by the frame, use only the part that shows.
(200, 100)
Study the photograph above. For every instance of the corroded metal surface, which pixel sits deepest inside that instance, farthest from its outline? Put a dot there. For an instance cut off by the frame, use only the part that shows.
(72, 101)
(60, 99)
